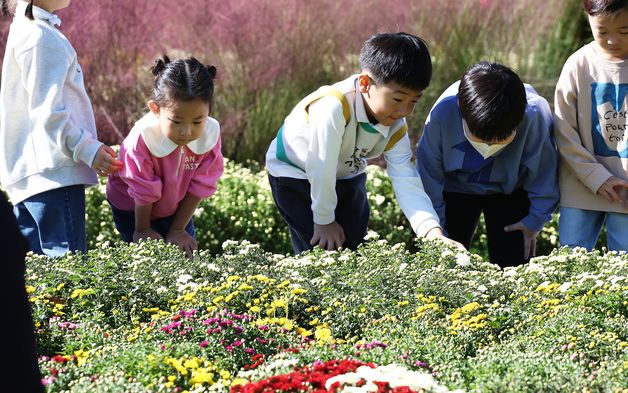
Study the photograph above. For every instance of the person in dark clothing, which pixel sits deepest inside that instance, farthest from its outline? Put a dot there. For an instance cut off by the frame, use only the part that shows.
(21, 373)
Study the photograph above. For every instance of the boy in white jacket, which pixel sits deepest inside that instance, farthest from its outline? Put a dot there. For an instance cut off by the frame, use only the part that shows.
(317, 162)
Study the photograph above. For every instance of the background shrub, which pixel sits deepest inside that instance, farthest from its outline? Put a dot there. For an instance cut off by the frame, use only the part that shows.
(270, 53)
(243, 208)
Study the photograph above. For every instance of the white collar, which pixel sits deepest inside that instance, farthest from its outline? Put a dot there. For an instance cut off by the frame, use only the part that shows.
(160, 146)
(38, 13)
(362, 117)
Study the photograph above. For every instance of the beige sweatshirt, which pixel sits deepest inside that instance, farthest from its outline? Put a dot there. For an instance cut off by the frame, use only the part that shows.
(590, 121)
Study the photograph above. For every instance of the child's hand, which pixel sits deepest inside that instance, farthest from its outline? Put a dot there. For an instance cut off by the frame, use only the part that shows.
(146, 234)
(329, 237)
(529, 238)
(105, 161)
(612, 189)
(182, 239)
(437, 233)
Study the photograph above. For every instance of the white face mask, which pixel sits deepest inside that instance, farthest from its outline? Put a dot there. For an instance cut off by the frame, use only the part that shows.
(483, 148)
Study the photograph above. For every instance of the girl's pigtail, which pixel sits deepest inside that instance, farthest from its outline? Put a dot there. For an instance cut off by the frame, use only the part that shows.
(29, 11)
(160, 65)
(212, 71)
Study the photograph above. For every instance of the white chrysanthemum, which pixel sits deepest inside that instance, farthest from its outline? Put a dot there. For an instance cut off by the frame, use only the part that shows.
(463, 260)
(212, 267)
(184, 278)
(534, 267)
(543, 286)
(510, 271)
(189, 287)
(558, 258)
(371, 235)
(395, 375)
(397, 247)
(580, 250)
(564, 287)
(319, 281)
(228, 243)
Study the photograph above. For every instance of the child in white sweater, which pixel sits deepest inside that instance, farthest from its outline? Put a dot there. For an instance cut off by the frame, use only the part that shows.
(48, 145)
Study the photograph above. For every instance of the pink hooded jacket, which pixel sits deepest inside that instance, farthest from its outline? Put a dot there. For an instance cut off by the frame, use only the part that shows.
(158, 171)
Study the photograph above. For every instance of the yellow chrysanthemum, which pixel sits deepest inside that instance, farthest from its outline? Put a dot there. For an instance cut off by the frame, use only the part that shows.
(81, 357)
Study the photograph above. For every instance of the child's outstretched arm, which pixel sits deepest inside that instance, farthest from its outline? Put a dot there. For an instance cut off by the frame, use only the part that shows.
(413, 200)
(177, 234)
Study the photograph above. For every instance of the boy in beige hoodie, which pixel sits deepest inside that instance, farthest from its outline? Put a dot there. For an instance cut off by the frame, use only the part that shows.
(591, 118)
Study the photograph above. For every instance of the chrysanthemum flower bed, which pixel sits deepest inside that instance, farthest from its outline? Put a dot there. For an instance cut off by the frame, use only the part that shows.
(243, 208)
(144, 318)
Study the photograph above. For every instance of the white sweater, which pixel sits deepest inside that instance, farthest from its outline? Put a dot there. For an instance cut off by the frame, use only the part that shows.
(47, 128)
(324, 146)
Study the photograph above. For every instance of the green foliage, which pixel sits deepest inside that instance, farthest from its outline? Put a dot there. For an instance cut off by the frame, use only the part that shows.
(243, 208)
(569, 33)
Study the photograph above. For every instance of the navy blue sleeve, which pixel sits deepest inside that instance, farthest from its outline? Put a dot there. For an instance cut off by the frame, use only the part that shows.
(541, 162)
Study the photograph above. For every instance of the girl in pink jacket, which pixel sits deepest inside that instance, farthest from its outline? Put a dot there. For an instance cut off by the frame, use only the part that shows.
(172, 158)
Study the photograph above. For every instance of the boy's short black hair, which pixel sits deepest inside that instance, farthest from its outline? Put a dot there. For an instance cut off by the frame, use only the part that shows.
(401, 58)
(492, 100)
(604, 7)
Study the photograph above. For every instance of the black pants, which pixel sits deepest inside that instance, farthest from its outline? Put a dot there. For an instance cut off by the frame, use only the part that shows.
(124, 221)
(462, 213)
(21, 370)
(292, 197)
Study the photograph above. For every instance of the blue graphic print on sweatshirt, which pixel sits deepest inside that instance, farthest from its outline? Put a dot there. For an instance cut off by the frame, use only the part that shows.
(609, 111)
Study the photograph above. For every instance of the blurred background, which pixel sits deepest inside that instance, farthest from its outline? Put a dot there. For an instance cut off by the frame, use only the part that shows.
(270, 53)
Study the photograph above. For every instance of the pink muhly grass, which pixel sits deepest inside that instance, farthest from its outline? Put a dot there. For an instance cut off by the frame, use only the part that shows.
(269, 53)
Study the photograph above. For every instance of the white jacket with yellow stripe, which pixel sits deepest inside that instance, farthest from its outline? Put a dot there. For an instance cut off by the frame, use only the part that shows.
(328, 137)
